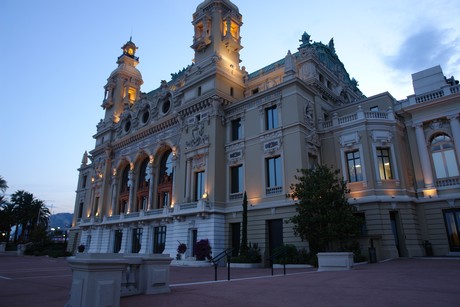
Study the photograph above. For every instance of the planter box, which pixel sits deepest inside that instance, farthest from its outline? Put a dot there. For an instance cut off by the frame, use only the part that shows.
(335, 261)
(246, 265)
(292, 266)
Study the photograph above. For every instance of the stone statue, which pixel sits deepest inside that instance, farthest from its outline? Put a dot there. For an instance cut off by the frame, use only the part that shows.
(305, 39)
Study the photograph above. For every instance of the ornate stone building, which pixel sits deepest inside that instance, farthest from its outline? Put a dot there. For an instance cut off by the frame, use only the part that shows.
(171, 165)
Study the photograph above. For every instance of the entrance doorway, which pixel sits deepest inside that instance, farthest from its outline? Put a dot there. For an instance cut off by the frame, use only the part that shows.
(235, 238)
(452, 221)
(275, 234)
(397, 233)
(193, 239)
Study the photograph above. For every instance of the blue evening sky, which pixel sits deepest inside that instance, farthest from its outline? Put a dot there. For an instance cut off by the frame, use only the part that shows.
(57, 55)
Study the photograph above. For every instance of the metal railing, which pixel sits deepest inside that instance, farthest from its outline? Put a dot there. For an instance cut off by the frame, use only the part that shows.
(281, 252)
(226, 253)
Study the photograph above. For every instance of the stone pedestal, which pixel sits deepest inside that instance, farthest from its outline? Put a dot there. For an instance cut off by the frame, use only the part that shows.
(2, 247)
(335, 261)
(155, 274)
(96, 280)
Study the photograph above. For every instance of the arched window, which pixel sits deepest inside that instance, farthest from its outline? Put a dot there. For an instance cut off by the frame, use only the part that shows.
(443, 155)
(124, 180)
(124, 190)
(166, 167)
(143, 173)
(143, 186)
(165, 180)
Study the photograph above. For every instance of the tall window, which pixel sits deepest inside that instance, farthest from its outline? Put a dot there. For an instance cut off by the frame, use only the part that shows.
(442, 151)
(273, 170)
(199, 185)
(166, 169)
(271, 118)
(118, 236)
(124, 180)
(159, 239)
(80, 210)
(452, 221)
(137, 239)
(383, 157)
(236, 129)
(236, 173)
(354, 166)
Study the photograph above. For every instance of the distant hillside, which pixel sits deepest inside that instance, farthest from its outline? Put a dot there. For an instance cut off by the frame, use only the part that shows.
(63, 220)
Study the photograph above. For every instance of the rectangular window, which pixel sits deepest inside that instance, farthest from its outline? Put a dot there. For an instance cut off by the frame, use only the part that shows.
(236, 173)
(199, 91)
(118, 236)
(273, 170)
(355, 173)
(271, 118)
(236, 129)
(83, 183)
(199, 185)
(255, 91)
(80, 210)
(231, 91)
(383, 158)
(159, 239)
(137, 239)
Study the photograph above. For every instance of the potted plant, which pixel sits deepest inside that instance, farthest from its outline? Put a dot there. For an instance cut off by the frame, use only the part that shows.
(203, 250)
(181, 249)
(81, 248)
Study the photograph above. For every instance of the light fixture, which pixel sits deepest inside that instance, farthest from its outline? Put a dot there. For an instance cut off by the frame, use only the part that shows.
(205, 195)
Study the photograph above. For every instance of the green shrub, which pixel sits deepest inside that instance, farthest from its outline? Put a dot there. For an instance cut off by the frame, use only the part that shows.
(51, 249)
(252, 255)
(289, 254)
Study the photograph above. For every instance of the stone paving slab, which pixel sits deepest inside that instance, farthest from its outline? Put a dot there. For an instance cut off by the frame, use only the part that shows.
(43, 281)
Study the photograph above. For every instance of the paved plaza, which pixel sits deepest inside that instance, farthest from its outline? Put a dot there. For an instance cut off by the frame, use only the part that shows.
(43, 281)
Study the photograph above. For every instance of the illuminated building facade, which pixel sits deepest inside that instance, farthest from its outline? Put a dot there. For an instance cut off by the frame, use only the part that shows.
(172, 165)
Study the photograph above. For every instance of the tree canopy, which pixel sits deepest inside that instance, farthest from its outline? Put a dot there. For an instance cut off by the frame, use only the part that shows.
(324, 217)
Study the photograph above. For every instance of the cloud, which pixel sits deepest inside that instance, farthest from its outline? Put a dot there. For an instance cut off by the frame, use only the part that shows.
(429, 47)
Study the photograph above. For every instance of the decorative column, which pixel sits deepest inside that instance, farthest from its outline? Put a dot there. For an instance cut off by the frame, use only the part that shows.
(149, 178)
(131, 190)
(188, 175)
(114, 192)
(455, 128)
(429, 189)
(174, 164)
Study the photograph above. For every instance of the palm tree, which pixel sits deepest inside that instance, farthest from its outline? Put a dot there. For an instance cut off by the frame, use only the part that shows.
(3, 184)
(30, 213)
(7, 218)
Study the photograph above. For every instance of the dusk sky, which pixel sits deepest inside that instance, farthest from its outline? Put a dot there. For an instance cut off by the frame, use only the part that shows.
(57, 55)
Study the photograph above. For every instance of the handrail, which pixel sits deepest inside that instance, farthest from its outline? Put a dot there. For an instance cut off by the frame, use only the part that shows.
(227, 252)
(281, 251)
(221, 255)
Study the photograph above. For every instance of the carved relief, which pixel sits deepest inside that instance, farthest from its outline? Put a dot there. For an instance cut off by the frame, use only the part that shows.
(308, 70)
(198, 136)
(381, 136)
(349, 139)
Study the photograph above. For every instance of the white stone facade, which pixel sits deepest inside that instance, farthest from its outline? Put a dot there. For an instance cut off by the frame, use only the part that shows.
(172, 165)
